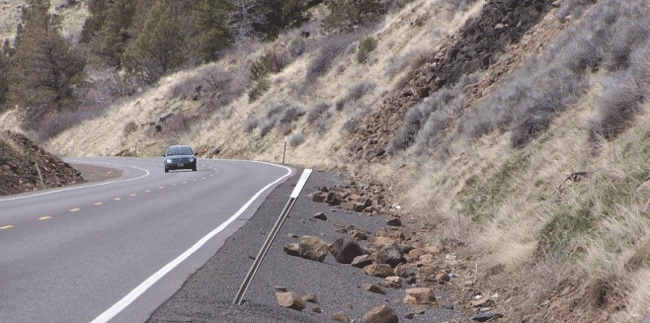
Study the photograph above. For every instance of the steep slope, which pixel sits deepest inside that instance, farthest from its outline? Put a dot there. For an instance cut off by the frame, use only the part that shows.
(488, 123)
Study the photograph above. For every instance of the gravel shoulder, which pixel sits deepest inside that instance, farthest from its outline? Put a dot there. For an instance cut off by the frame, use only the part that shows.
(208, 294)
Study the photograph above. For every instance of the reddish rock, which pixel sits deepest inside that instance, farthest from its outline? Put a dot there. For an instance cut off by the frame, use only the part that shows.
(313, 248)
(419, 296)
(290, 300)
(378, 270)
(381, 314)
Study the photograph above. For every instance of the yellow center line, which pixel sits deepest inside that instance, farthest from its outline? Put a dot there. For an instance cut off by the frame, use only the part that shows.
(203, 178)
(75, 210)
(134, 195)
(99, 203)
(43, 218)
(185, 182)
(147, 191)
(6, 227)
(117, 199)
(160, 188)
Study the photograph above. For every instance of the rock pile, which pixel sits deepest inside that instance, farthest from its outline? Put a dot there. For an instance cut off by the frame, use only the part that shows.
(475, 47)
(23, 164)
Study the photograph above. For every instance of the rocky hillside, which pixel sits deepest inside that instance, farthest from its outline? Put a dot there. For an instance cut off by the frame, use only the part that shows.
(509, 135)
(25, 167)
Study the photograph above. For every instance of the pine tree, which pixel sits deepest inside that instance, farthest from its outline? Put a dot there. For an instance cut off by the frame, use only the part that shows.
(345, 15)
(159, 48)
(5, 60)
(43, 70)
(114, 35)
(212, 34)
(94, 23)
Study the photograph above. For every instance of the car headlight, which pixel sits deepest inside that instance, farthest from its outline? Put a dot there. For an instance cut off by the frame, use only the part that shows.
(169, 161)
(191, 160)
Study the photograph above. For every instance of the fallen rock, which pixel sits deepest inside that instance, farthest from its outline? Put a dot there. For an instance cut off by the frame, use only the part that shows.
(345, 250)
(486, 317)
(381, 314)
(316, 309)
(390, 255)
(394, 222)
(378, 270)
(311, 298)
(320, 216)
(334, 199)
(361, 261)
(392, 282)
(313, 248)
(340, 317)
(292, 249)
(318, 198)
(372, 288)
(419, 296)
(290, 300)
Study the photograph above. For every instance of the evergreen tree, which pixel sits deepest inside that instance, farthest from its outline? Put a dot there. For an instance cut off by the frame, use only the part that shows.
(94, 23)
(159, 48)
(114, 34)
(43, 70)
(344, 15)
(5, 61)
(212, 34)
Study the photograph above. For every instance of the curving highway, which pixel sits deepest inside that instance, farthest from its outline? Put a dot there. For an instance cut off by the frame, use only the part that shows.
(114, 251)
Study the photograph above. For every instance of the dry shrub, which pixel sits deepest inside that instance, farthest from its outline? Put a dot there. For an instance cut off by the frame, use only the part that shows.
(355, 92)
(333, 46)
(297, 140)
(282, 115)
(428, 122)
(617, 105)
(317, 111)
(129, 128)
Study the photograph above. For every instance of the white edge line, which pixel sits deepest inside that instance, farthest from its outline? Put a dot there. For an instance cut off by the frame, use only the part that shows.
(145, 285)
(301, 183)
(21, 197)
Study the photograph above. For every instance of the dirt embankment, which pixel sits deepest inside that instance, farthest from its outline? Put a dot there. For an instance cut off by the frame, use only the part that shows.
(26, 167)
(477, 46)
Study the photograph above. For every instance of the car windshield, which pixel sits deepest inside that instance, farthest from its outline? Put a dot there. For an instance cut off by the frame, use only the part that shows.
(180, 151)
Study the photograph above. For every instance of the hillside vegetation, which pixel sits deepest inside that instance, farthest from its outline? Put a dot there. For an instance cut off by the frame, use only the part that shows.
(517, 130)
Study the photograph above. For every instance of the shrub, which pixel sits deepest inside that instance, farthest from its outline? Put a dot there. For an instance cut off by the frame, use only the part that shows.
(297, 47)
(297, 140)
(345, 15)
(317, 111)
(129, 128)
(355, 92)
(617, 105)
(365, 48)
(333, 46)
(250, 124)
(291, 114)
(261, 86)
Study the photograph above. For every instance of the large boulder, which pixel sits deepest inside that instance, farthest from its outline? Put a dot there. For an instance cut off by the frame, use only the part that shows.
(381, 314)
(290, 300)
(420, 296)
(313, 248)
(378, 270)
(345, 250)
(391, 255)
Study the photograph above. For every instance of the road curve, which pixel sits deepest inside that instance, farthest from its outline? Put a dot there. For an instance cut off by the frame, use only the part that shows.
(115, 250)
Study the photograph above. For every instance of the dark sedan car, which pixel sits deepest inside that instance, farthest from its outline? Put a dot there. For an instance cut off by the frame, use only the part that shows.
(180, 157)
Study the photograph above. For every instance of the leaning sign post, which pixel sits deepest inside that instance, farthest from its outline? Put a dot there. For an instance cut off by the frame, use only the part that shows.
(269, 239)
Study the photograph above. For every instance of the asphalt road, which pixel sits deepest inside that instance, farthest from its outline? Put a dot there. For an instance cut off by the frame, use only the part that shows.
(115, 250)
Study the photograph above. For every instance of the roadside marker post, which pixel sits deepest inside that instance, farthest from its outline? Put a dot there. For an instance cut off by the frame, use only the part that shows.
(271, 237)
